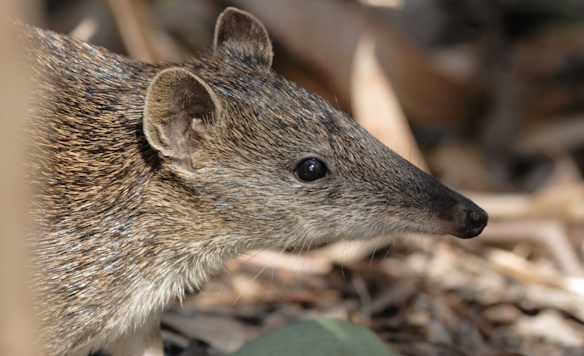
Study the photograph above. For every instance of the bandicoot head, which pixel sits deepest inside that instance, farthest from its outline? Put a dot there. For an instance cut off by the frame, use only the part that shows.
(278, 164)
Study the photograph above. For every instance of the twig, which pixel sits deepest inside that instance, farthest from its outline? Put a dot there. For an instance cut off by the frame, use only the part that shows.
(133, 30)
(86, 29)
(376, 107)
(526, 271)
(563, 203)
(551, 234)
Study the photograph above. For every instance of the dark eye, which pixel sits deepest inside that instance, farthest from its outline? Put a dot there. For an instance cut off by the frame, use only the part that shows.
(311, 169)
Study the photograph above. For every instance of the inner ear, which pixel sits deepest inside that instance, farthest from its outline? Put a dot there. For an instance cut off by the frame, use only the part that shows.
(179, 107)
(237, 30)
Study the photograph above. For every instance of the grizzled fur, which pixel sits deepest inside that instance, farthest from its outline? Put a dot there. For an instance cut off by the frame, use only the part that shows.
(132, 209)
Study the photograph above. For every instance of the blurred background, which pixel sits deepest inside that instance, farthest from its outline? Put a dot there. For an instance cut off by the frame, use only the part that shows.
(488, 96)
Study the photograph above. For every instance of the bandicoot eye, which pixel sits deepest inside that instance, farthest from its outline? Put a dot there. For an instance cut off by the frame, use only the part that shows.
(311, 169)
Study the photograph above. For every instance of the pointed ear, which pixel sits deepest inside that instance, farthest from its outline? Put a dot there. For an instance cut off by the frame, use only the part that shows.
(239, 29)
(178, 108)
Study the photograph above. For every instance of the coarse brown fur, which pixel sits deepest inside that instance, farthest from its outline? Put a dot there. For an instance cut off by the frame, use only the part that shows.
(148, 177)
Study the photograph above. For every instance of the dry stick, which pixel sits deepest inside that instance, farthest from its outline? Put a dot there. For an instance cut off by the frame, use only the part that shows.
(127, 15)
(541, 286)
(392, 4)
(364, 297)
(563, 203)
(527, 272)
(563, 133)
(552, 234)
(86, 29)
(376, 107)
(538, 217)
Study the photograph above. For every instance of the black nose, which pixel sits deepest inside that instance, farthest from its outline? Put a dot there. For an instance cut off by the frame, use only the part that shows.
(474, 222)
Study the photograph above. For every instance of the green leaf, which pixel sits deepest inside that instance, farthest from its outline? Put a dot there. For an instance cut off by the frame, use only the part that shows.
(318, 337)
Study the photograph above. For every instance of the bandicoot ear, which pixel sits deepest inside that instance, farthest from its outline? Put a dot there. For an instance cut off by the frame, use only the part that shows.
(241, 31)
(178, 108)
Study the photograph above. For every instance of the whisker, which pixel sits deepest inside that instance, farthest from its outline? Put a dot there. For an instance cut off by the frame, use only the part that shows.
(299, 255)
(284, 280)
(255, 277)
(237, 270)
(374, 251)
(274, 267)
(306, 256)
